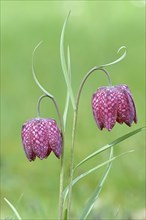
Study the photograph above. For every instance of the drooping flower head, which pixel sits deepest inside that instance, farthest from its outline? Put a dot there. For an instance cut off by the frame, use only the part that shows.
(111, 104)
(40, 136)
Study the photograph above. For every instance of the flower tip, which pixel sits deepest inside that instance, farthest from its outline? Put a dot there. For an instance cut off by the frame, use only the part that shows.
(58, 156)
(58, 152)
(135, 119)
(30, 160)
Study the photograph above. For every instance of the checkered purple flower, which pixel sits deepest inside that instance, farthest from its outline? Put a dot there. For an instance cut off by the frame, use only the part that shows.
(40, 136)
(111, 104)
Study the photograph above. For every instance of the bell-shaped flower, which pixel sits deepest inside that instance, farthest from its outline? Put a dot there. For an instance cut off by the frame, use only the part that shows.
(40, 136)
(111, 104)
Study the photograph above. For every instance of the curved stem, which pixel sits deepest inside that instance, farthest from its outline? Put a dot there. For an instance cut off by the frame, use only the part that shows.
(58, 113)
(117, 60)
(74, 128)
(39, 102)
(62, 156)
(56, 106)
(34, 75)
(101, 67)
(85, 78)
(47, 94)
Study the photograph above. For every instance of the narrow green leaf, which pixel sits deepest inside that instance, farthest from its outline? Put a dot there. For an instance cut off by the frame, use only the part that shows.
(33, 72)
(119, 59)
(117, 213)
(67, 96)
(13, 208)
(90, 171)
(97, 191)
(65, 215)
(115, 142)
(63, 64)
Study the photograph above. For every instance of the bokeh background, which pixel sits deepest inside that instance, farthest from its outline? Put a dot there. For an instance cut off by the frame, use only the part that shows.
(95, 31)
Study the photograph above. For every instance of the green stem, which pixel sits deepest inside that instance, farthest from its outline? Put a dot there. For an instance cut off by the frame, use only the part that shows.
(62, 156)
(72, 164)
(74, 129)
(56, 106)
(47, 94)
(61, 199)
(87, 75)
(39, 102)
(62, 163)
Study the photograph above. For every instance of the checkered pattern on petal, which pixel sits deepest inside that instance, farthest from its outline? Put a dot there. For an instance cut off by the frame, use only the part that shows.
(40, 136)
(111, 104)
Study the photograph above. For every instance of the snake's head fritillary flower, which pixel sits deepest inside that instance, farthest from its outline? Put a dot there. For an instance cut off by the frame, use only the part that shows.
(111, 104)
(40, 136)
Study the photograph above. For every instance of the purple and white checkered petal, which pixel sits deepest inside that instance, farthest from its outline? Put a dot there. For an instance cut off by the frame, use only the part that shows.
(97, 101)
(39, 138)
(133, 104)
(104, 107)
(111, 104)
(110, 108)
(126, 111)
(55, 138)
(27, 142)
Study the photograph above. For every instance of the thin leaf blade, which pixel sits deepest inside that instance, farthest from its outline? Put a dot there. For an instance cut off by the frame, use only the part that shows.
(114, 143)
(13, 208)
(119, 59)
(67, 96)
(98, 189)
(91, 171)
(33, 71)
(63, 64)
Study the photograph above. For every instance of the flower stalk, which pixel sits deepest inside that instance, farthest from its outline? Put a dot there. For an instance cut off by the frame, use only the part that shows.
(60, 211)
(76, 114)
(74, 129)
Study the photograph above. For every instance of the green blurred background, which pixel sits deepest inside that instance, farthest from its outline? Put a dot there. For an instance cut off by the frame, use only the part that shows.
(95, 31)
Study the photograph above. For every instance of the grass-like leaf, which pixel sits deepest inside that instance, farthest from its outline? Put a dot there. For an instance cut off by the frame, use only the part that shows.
(65, 214)
(115, 142)
(13, 208)
(33, 72)
(97, 191)
(91, 171)
(67, 96)
(119, 59)
(64, 66)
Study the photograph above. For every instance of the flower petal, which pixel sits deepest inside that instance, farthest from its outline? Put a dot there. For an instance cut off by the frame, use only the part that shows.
(104, 105)
(39, 138)
(126, 110)
(55, 139)
(26, 141)
(97, 100)
(111, 104)
(110, 108)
